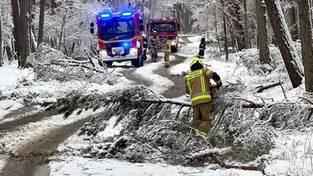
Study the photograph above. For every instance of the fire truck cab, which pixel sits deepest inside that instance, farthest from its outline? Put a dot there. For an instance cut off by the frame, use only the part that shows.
(120, 36)
(167, 29)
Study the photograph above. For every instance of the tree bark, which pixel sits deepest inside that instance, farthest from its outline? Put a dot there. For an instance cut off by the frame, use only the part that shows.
(1, 53)
(16, 29)
(236, 20)
(247, 36)
(306, 43)
(262, 33)
(41, 21)
(284, 40)
(24, 26)
(9, 52)
(294, 22)
(225, 32)
(216, 29)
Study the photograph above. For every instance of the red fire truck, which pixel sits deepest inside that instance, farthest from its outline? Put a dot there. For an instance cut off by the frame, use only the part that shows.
(120, 36)
(166, 28)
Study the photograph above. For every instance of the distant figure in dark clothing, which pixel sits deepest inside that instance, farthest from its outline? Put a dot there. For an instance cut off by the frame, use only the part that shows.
(201, 48)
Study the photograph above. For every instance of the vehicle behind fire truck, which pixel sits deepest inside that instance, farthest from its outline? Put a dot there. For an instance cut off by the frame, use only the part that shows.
(120, 36)
(166, 29)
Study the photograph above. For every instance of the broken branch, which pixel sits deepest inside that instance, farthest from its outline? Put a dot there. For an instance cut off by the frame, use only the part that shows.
(262, 88)
(215, 154)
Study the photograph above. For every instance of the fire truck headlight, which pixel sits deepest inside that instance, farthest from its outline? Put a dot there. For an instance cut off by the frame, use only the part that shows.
(173, 43)
(133, 52)
(103, 54)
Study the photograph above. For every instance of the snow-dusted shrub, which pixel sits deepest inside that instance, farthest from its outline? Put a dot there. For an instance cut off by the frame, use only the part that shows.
(250, 59)
(132, 129)
(51, 64)
(145, 131)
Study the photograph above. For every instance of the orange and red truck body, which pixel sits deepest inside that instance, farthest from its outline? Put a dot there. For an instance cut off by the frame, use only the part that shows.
(120, 36)
(166, 29)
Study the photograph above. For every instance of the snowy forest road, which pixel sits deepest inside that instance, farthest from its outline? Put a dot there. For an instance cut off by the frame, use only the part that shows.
(35, 117)
(24, 161)
(174, 91)
(33, 151)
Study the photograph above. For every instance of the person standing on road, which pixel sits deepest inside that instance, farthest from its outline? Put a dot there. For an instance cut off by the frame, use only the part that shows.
(167, 53)
(202, 48)
(154, 45)
(200, 90)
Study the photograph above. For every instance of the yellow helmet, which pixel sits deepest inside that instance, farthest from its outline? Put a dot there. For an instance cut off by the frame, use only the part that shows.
(196, 60)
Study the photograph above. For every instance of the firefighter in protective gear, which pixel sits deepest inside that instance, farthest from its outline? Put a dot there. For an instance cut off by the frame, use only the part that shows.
(201, 48)
(154, 45)
(200, 89)
(167, 53)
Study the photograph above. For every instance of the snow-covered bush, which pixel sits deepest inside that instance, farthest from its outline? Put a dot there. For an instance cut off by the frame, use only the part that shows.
(50, 64)
(130, 128)
(250, 59)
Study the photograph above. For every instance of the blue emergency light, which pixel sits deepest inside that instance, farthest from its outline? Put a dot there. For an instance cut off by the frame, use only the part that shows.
(126, 45)
(106, 15)
(125, 14)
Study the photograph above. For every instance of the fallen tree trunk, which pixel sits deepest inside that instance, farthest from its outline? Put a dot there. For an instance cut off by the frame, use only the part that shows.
(262, 88)
(213, 155)
(248, 105)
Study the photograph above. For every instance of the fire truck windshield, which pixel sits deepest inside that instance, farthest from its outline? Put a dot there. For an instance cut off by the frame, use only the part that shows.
(163, 27)
(116, 29)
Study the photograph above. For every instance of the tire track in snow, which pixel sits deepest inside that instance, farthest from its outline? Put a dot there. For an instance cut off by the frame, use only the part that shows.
(9, 126)
(173, 89)
(178, 89)
(36, 151)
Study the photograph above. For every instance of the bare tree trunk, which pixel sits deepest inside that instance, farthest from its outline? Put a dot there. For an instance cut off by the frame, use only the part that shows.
(41, 21)
(306, 43)
(16, 30)
(8, 52)
(236, 20)
(294, 22)
(1, 53)
(262, 35)
(247, 36)
(216, 29)
(62, 31)
(24, 37)
(284, 40)
(225, 32)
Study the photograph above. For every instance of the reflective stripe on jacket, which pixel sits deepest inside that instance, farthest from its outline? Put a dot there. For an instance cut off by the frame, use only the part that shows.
(198, 86)
(167, 48)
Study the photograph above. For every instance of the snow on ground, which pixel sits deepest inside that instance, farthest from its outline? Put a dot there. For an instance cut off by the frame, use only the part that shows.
(10, 75)
(231, 73)
(159, 83)
(293, 154)
(6, 106)
(13, 79)
(75, 166)
(11, 141)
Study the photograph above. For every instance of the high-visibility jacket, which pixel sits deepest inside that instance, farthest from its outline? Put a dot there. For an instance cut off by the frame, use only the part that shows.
(198, 86)
(167, 48)
(154, 42)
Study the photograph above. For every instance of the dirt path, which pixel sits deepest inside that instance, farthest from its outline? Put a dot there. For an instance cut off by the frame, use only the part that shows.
(24, 120)
(179, 83)
(38, 150)
(130, 74)
(173, 92)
